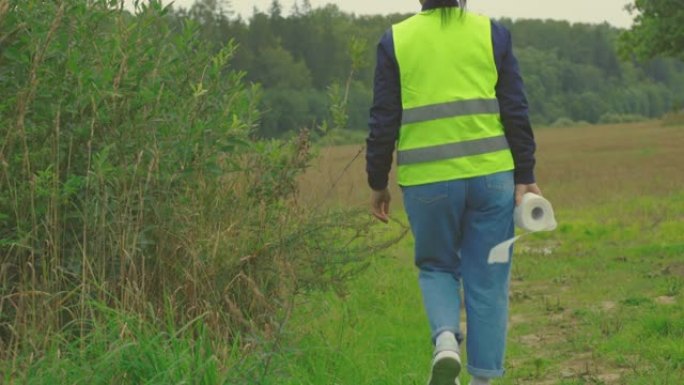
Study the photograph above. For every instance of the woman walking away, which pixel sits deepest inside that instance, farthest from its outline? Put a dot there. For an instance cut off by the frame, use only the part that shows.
(449, 95)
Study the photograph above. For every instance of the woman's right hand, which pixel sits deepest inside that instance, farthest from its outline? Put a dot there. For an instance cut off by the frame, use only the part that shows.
(380, 200)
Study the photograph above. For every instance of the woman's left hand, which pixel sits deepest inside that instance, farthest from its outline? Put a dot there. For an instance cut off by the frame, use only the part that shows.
(522, 189)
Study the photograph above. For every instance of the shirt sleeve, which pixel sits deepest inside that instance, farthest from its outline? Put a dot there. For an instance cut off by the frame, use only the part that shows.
(385, 115)
(510, 92)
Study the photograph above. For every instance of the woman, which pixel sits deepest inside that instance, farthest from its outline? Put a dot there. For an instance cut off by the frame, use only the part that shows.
(449, 94)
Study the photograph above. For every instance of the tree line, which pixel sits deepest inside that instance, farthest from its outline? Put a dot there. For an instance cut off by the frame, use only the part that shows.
(304, 59)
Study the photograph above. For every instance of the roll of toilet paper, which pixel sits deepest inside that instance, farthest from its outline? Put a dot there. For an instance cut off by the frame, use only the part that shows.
(534, 214)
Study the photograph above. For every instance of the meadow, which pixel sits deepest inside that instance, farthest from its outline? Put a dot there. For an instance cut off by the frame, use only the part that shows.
(148, 237)
(599, 301)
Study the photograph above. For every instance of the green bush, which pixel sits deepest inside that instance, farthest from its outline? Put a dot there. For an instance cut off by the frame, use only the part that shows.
(613, 118)
(567, 122)
(129, 177)
(563, 122)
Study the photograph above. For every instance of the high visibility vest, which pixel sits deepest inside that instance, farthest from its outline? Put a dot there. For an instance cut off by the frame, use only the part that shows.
(451, 127)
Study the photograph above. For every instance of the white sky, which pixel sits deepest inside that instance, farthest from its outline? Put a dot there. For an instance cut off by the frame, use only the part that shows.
(588, 11)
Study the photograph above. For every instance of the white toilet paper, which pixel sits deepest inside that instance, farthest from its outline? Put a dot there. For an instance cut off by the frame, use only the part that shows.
(534, 214)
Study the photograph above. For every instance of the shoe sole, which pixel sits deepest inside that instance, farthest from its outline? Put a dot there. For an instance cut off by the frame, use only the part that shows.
(445, 369)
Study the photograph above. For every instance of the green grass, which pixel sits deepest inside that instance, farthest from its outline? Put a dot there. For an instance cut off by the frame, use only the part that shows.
(373, 334)
(124, 349)
(599, 301)
(604, 307)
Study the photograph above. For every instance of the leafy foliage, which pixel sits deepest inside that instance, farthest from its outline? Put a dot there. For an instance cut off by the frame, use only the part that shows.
(130, 178)
(570, 70)
(658, 29)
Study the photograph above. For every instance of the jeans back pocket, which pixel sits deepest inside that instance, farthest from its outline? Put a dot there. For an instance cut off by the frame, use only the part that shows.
(427, 193)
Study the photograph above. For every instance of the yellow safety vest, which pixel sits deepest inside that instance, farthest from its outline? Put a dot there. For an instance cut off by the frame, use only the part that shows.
(451, 127)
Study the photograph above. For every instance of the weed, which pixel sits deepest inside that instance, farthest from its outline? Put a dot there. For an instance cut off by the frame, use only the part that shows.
(611, 325)
(552, 306)
(636, 301)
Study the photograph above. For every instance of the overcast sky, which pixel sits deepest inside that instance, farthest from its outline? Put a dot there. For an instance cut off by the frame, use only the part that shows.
(589, 11)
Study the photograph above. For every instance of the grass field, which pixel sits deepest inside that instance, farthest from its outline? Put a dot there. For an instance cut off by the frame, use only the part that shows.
(599, 301)
(576, 166)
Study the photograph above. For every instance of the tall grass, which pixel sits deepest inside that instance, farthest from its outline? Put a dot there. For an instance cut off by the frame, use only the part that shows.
(130, 182)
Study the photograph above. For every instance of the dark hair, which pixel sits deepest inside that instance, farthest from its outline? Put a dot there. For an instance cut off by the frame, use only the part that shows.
(447, 11)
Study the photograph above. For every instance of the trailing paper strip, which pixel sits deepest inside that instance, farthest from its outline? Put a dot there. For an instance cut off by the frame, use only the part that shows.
(534, 214)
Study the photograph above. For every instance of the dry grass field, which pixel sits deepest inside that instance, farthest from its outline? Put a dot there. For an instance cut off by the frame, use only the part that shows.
(575, 166)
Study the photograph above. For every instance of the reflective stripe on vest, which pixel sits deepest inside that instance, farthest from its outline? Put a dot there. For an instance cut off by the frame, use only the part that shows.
(450, 128)
(452, 150)
(449, 110)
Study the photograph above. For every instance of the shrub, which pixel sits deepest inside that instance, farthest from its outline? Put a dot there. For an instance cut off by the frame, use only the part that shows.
(563, 122)
(613, 118)
(130, 178)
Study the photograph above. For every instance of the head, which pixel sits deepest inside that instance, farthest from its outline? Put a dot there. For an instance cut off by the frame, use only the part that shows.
(447, 9)
(462, 3)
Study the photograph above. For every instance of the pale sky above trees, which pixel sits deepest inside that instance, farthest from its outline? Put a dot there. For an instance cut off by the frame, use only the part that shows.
(589, 11)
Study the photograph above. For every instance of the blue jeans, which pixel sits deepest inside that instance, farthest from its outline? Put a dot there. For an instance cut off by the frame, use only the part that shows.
(455, 224)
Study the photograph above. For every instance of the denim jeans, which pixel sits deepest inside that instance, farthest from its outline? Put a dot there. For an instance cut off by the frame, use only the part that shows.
(455, 224)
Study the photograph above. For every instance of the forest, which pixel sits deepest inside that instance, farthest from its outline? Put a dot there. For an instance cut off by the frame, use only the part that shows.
(305, 59)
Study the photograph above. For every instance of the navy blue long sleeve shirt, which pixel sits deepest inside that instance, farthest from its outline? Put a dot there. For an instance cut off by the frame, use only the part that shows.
(386, 111)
